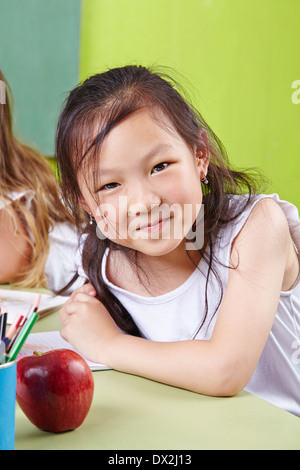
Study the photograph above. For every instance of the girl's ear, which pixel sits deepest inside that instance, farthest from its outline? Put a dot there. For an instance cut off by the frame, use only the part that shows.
(83, 204)
(203, 151)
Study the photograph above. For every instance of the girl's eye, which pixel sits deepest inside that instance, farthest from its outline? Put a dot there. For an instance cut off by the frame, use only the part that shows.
(109, 186)
(159, 167)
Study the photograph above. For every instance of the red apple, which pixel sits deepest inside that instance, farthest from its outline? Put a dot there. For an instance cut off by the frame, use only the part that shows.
(55, 389)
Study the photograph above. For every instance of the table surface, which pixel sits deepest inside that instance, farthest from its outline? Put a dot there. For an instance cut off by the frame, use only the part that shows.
(130, 412)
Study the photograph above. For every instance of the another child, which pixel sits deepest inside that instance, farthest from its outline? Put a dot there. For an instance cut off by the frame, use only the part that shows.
(38, 239)
(210, 304)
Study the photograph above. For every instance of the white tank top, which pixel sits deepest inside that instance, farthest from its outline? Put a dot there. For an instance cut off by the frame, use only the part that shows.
(177, 315)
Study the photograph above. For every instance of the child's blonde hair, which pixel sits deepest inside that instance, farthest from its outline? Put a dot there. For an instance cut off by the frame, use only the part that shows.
(23, 169)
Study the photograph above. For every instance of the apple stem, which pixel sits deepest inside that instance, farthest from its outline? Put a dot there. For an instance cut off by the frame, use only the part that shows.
(37, 353)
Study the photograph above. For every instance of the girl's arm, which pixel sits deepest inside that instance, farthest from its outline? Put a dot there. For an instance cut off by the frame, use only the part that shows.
(14, 248)
(224, 364)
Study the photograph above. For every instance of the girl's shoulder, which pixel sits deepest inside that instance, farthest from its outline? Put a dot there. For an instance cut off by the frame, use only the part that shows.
(263, 215)
(260, 210)
(272, 226)
(264, 218)
(265, 209)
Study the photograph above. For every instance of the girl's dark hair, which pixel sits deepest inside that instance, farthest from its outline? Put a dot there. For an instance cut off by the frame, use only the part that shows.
(91, 111)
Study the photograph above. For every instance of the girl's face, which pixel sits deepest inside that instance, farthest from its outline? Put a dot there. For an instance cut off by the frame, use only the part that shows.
(148, 190)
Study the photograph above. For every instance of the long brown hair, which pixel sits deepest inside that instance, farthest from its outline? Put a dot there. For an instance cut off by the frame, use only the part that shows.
(23, 168)
(101, 102)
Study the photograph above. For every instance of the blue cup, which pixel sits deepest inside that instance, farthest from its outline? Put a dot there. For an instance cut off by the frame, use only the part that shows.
(8, 381)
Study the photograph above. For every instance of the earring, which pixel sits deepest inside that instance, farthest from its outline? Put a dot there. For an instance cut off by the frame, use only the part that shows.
(91, 220)
(199, 156)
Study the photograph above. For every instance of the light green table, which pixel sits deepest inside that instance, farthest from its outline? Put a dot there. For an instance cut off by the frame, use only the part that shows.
(130, 412)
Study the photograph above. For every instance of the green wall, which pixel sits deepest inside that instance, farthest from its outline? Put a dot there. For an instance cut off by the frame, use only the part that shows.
(239, 59)
(39, 44)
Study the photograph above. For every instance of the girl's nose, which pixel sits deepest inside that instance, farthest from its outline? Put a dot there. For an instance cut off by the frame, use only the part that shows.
(143, 200)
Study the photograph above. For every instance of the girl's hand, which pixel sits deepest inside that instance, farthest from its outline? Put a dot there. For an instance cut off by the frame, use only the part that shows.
(87, 325)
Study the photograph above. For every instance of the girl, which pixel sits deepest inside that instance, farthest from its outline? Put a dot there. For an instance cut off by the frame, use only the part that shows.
(38, 239)
(210, 304)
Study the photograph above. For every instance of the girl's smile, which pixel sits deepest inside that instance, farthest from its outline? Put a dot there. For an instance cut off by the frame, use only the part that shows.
(154, 227)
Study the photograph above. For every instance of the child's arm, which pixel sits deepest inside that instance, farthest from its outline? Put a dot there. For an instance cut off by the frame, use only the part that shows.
(224, 364)
(14, 248)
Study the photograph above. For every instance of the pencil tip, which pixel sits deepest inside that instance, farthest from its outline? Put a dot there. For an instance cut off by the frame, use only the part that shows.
(37, 301)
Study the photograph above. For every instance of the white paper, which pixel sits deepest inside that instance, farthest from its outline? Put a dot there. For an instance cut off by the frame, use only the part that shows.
(47, 341)
(19, 302)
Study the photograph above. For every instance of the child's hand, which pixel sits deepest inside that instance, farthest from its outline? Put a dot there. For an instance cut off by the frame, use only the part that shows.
(87, 325)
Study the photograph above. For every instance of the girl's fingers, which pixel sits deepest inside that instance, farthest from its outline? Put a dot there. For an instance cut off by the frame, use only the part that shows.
(79, 302)
(82, 297)
(86, 289)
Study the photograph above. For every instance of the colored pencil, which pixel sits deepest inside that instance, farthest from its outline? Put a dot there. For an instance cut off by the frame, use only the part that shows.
(12, 330)
(33, 309)
(3, 321)
(14, 326)
(2, 350)
(24, 332)
(9, 336)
